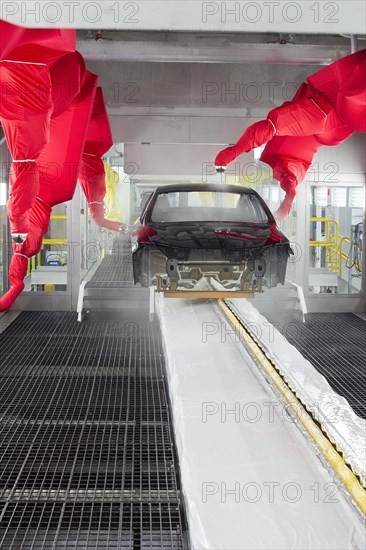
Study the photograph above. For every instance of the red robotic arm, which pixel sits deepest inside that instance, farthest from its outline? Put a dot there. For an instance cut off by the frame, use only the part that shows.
(92, 180)
(92, 174)
(63, 152)
(38, 225)
(325, 111)
(40, 75)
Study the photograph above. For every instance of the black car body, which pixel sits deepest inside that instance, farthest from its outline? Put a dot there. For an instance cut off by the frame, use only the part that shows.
(225, 232)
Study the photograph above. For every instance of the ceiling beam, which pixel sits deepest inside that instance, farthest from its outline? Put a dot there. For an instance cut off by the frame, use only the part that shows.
(283, 54)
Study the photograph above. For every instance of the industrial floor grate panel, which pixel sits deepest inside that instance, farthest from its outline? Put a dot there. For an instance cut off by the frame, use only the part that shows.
(85, 461)
(114, 271)
(335, 344)
(87, 455)
(89, 397)
(92, 526)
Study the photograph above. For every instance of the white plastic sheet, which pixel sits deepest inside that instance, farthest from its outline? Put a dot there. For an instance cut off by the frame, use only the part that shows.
(250, 478)
(343, 426)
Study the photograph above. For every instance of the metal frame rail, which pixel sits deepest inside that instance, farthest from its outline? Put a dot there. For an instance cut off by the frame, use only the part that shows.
(335, 458)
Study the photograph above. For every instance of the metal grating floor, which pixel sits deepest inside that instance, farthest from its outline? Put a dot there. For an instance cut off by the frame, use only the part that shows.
(87, 456)
(115, 270)
(336, 345)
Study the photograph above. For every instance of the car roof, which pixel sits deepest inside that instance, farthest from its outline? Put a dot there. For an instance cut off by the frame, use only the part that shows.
(219, 187)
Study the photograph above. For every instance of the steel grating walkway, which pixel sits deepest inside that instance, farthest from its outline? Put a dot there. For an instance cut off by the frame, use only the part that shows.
(114, 270)
(336, 345)
(111, 293)
(86, 445)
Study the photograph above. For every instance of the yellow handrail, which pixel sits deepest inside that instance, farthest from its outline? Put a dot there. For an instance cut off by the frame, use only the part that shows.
(321, 243)
(55, 241)
(343, 256)
(329, 244)
(333, 244)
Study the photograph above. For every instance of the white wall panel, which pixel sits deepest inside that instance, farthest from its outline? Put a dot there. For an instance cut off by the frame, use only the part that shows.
(178, 129)
(155, 129)
(177, 159)
(212, 129)
(347, 158)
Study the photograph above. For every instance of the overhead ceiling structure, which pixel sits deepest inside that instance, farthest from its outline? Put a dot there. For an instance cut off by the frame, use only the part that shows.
(184, 78)
(175, 99)
(322, 17)
(264, 48)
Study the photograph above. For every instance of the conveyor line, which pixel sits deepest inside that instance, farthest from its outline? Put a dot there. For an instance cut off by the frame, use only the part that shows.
(304, 414)
(232, 449)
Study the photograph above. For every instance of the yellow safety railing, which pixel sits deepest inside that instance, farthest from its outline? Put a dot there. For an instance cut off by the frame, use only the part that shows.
(344, 256)
(55, 241)
(333, 243)
(330, 243)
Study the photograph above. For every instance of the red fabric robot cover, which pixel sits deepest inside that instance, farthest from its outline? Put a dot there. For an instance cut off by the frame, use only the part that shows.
(343, 83)
(99, 137)
(92, 174)
(25, 111)
(38, 225)
(62, 154)
(325, 111)
(54, 48)
(40, 75)
(59, 161)
(13, 36)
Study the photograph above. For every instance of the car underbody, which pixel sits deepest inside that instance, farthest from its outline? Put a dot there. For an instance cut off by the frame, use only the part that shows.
(247, 270)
